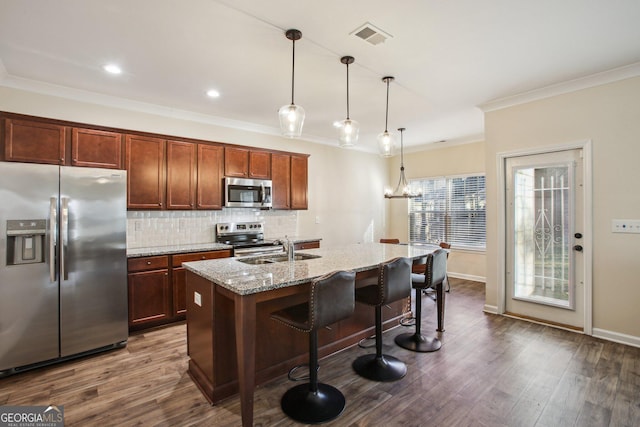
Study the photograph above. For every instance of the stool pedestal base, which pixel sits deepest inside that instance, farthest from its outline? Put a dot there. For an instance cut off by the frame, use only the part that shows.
(384, 368)
(419, 343)
(305, 406)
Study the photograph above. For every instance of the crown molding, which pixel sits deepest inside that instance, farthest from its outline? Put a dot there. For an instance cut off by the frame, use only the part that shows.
(80, 95)
(610, 76)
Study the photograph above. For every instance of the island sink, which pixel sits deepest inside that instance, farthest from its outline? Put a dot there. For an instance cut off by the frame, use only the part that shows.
(274, 259)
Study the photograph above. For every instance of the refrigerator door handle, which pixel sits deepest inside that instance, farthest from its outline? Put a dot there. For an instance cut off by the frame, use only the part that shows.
(64, 236)
(53, 237)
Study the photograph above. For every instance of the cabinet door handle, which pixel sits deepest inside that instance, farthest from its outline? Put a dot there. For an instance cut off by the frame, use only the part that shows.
(148, 262)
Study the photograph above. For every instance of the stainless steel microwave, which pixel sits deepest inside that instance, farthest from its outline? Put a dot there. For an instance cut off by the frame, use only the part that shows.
(247, 193)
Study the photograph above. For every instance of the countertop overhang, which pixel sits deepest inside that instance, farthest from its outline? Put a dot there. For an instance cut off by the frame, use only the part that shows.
(245, 279)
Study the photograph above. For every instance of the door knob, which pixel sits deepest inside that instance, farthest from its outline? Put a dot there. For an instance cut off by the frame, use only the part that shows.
(578, 248)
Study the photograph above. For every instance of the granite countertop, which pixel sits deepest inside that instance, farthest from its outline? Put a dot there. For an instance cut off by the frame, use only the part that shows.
(176, 249)
(244, 279)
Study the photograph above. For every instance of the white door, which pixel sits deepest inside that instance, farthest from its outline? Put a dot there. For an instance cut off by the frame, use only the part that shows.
(544, 248)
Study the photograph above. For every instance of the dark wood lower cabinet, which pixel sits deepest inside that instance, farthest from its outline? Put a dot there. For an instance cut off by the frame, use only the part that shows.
(157, 287)
(307, 245)
(178, 277)
(149, 298)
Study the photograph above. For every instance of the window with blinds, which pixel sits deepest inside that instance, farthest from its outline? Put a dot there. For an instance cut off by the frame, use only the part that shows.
(451, 209)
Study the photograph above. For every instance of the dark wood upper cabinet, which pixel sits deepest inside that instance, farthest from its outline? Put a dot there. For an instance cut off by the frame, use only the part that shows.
(259, 165)
(210, 164)
(161, 174)
(299, 182)
(236, 162)
(245, 163)
(281, 180)
(96, 148)
(181, 175)
(34, 142)
(145, 160)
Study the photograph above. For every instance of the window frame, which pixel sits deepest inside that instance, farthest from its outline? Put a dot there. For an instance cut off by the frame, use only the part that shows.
(444, 211)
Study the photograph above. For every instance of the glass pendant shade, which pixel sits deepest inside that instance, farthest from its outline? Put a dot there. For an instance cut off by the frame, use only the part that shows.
(386, 144)
(292, 115)
(349, 130)
(291, 120)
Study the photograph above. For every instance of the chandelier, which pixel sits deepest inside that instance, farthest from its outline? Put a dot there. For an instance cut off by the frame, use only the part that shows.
(403, 190)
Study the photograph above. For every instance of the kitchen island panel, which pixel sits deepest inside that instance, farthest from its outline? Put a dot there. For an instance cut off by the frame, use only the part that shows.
(211, 331)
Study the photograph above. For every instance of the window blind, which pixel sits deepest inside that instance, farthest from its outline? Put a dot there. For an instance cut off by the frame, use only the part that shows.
(451, 209)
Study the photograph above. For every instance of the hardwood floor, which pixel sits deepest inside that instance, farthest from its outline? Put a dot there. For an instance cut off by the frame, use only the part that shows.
(491, 371)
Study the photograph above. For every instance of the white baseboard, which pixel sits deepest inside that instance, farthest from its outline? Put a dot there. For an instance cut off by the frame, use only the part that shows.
(467, 277)
(616, 337)
(491, 309)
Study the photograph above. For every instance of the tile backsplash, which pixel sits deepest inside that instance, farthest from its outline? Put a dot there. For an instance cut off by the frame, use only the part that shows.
(164, 228)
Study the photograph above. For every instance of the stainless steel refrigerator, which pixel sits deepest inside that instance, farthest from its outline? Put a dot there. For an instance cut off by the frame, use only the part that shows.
(63, 266)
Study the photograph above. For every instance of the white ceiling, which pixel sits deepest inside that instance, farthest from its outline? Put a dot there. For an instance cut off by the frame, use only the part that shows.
(447, 57)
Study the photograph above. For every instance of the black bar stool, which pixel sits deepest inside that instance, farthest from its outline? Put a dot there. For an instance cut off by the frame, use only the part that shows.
(394, 283)
(331, 299)
(434, 276)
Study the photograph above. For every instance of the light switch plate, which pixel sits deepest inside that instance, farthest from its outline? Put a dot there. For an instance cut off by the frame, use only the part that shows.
(625, 226)
(197, 299)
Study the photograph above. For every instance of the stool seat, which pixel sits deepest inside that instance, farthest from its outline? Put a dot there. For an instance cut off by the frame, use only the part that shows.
(331, 298)
(394, 283)
(434, 276)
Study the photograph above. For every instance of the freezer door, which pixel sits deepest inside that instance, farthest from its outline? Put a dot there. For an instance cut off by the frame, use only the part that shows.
(28, 280)
(93, 260)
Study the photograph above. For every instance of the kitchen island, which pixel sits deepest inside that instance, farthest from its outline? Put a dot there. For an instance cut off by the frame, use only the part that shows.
(232, 342)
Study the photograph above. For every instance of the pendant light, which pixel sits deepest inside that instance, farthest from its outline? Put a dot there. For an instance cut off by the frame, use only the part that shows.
(403, 190)
(292, 115)
(386, 143)
(349, 129)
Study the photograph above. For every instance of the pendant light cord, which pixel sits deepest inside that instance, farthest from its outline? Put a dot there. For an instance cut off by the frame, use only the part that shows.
(386, 118)
(293, 69)
(347, 91)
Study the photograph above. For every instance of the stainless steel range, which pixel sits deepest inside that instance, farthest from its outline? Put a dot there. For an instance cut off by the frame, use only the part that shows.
(247, 238)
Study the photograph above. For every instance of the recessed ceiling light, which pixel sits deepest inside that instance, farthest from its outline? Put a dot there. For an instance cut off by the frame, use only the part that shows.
(112, 68)
(212, 93)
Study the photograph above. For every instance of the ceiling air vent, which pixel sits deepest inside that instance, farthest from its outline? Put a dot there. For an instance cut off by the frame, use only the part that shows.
(371, 34)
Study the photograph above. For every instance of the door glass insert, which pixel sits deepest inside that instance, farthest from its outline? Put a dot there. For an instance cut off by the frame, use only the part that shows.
(542, 211)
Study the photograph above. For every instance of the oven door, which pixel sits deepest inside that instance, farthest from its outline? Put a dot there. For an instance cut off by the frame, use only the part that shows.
(247, 193)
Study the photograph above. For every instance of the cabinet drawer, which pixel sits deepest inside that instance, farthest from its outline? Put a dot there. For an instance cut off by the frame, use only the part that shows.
(148, 263)
(199, 256)
(308, 245)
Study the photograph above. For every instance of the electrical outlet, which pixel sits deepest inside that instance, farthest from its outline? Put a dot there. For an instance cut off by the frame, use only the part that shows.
(625, 226)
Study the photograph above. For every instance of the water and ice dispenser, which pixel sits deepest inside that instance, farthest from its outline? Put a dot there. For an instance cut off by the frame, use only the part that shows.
(26, 241)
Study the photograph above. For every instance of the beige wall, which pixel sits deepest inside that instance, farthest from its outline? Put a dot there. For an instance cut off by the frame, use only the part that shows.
(345, 186)
(434, 162)
(609, 116)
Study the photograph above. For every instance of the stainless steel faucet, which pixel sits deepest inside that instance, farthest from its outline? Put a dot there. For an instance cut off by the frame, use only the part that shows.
(289, 248)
